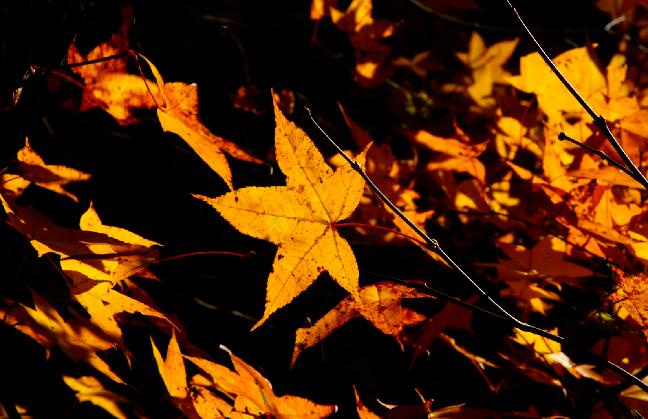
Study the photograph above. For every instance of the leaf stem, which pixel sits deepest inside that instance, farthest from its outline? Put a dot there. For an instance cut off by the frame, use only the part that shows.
(205, 253)
(434, 246)
(44, 70)
(100, 60)
(599, 120)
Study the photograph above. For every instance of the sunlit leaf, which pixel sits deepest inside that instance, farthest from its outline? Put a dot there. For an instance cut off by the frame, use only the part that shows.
(299, 217)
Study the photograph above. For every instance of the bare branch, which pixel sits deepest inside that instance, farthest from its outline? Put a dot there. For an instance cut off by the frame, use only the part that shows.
(599, 120)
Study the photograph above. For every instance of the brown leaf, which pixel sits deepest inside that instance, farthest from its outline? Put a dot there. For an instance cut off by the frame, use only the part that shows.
(379, 303)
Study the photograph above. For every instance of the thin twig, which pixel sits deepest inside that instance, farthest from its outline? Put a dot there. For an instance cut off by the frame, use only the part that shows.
(433, 245)
(562, 136)
(206, 253)
(599, 120)
(99, 60)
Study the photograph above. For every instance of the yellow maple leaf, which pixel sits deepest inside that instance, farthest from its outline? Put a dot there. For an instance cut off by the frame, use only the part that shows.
(174, 375)
(365, 34)
(458, 154)
(379, 303)
(299, 217)
(119, 94)
(486, 64)
(553, 97)
(178, 113)
(89, 255)
(205, 402)
(77, 338)
(89, 389)
(172, 368)
(511, 138)
(48, 176)
(103, 303)
(252, 393)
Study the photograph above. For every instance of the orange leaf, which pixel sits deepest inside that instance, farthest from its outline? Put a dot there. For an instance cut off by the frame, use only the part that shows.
(107, 84)
(458, 155)
(631, 298)
(48, 176)
(553, 98)
(94, 253)
(79, 340)
(299, 217)
(487, 67)
(362, 410)
(172, 368)
(89, 389)
(253, 394)
(179, 114)
(379, 303)
(103, 303)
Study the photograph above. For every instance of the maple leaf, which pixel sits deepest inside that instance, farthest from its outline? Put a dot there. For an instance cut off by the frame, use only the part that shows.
(379, 303)
(89, 389)
(119, 93)
(206, 403)
(458, 154)
(107, 84)
(545, 259)
(178, 113)
(174, 375)
(253, 394)
(196, 398)
(94, 253)
(511, 137)
(299, 217)
(551, 353)
(48, 176)
(486, 65)
(365, 34)
(117, 43)
(77, 338)
(553, 97)
(631, 298)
